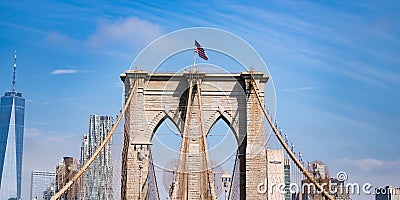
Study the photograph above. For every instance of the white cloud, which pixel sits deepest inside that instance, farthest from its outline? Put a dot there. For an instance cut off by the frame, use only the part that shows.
(67, 71)
(374, 171)
(57, 37)
(367, 164)
(127, 33)
(117, 37)
(39, 123)
(64, 71)
(298, 89)
(344, 119)
(32, 132)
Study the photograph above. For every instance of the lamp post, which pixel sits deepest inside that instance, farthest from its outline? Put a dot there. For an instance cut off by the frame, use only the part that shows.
(226, 180)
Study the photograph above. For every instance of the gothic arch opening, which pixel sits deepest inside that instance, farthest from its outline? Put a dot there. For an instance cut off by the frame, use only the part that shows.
(222, 148)
(166, 143)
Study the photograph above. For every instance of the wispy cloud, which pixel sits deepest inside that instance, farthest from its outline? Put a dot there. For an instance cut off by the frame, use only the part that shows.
(371, 170)
(57, 37)
(32, 132)
(109, 37)
(340, 118)
(22, 27)
(127, 33)
(366, 164)
(311, 29)
(370, 164)
(39, 123)
(66, 71)
(299, 89)
(60, 139)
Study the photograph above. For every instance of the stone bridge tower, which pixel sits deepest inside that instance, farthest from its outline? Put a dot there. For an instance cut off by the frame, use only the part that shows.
(194, 101)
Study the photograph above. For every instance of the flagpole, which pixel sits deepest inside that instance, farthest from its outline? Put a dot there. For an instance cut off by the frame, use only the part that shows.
(194, 57)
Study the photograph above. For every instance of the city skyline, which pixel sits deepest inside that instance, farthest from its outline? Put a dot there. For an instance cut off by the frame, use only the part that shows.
(334, 66)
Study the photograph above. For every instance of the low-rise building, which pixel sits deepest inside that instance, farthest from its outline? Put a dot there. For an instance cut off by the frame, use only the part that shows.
(387, 193)
(65, 171)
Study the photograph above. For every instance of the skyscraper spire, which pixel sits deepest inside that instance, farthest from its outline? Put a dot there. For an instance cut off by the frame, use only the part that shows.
(15, 69)
(12, 114)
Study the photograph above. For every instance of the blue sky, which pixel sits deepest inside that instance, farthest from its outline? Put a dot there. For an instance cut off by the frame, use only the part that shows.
(335, 67)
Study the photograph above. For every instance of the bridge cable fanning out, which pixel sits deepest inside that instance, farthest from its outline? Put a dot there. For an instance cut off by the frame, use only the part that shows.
(285, 145)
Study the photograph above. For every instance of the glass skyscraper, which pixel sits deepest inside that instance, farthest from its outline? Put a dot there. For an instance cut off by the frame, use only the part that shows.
(97, 180)
(41, 181)
(12, 110)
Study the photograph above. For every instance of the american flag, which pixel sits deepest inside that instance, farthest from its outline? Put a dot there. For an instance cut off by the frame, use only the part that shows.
(199, 50)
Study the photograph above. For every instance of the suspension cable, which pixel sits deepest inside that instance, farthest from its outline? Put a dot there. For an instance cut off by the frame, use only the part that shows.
(285, 146)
